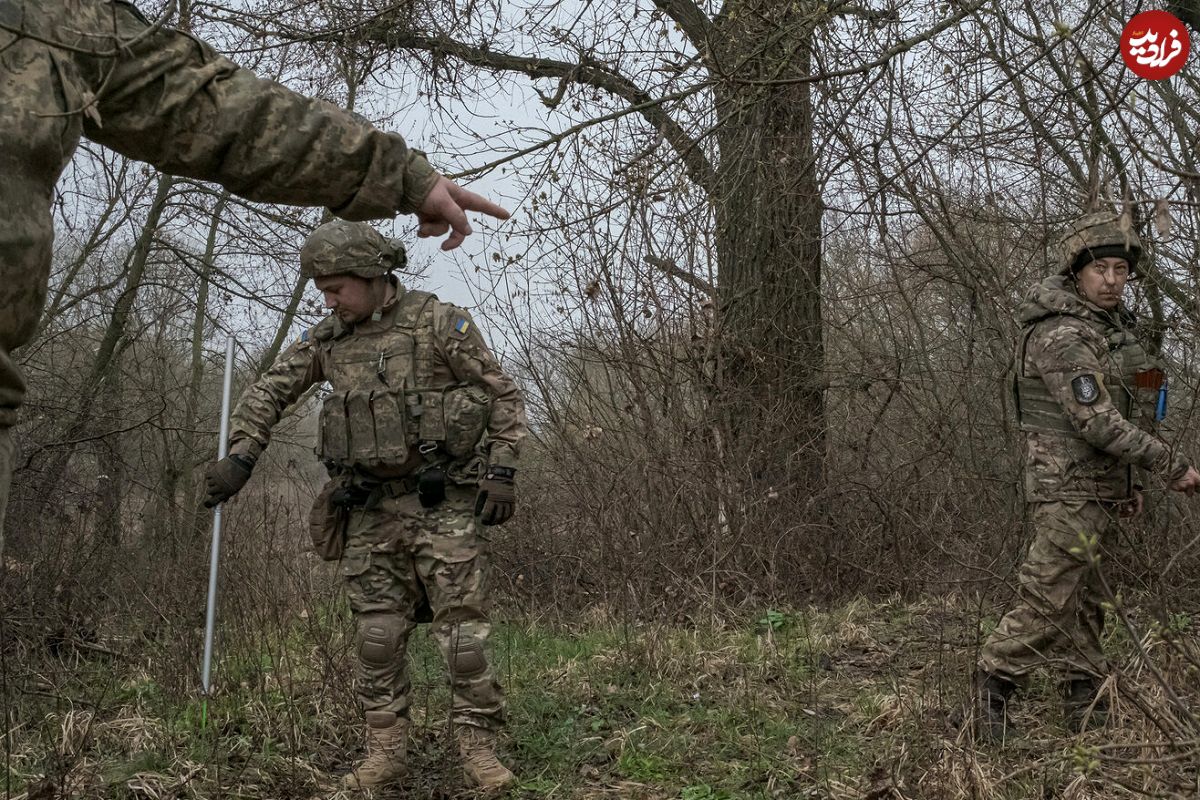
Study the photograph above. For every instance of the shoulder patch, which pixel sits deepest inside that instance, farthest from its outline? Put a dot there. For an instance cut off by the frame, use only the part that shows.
(1085, 389)
(460, 327)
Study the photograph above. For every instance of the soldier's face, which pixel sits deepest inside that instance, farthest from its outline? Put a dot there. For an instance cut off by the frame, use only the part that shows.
(352, 298)
(1102, 282)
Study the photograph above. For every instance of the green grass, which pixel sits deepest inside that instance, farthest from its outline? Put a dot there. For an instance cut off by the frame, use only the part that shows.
(785, 703)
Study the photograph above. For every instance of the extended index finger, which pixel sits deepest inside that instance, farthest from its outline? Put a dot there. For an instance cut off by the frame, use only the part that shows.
(476, 202)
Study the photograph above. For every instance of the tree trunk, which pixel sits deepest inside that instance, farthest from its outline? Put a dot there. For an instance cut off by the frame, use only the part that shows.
(104, 367)
(769, 208)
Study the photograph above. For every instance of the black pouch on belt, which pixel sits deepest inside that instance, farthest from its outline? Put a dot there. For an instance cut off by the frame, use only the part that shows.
(431, 486)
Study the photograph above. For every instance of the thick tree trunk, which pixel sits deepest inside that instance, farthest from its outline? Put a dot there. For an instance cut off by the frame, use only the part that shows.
(769, 211)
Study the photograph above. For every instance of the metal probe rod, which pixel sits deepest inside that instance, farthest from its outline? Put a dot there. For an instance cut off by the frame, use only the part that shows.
(215, 553)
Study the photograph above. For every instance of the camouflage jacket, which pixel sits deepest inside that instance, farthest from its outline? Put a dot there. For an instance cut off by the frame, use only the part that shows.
(162, 96)
(1082, 380)
(418, 384)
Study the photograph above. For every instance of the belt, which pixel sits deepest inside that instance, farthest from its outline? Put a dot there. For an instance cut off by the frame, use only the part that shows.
(363, 492)
(396, 487)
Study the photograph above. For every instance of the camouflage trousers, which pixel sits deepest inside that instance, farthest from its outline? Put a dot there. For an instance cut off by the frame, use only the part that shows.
(1058, 617)
(397, 552)
(37, 138)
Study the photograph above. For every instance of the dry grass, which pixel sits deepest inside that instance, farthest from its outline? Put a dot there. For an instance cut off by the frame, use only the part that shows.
(854, 703)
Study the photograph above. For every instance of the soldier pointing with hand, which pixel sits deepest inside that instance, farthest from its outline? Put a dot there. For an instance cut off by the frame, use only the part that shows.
(97, 68)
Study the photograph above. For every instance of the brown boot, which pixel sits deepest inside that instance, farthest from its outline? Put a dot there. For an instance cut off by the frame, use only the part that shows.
(481, 768)
(387, 746)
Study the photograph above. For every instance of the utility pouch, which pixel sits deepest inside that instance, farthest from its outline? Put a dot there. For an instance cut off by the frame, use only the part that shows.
(431, 486)
(466, 410)
(328, 522)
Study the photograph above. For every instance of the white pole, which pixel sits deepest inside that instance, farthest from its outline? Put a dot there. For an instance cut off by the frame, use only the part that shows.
(215, 554)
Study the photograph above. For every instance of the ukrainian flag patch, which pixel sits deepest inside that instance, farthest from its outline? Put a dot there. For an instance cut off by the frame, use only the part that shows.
(461, 326)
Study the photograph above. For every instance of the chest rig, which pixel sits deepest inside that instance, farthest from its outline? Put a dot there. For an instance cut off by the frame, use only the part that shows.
(1130, 376)
(387, 401)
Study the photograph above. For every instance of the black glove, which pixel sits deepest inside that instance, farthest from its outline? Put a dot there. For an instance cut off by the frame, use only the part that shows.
(497, 498)
(225, 478)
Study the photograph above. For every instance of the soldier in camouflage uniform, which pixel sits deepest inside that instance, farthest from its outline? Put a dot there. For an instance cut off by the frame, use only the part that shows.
(421, 433)
(97, 68)
(1086, 395)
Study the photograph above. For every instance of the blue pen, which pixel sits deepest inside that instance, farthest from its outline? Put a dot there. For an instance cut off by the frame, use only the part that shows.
(1160, 408)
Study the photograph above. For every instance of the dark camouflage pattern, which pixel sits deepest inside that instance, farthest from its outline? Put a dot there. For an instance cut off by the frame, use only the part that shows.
(399, 550)
(354, 248)
(1065, 337)
(160, 96)
(1059, 617)
(377, 415)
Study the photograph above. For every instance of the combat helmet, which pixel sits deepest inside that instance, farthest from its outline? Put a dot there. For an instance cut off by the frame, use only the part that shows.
(1099, 235)
(349, 248)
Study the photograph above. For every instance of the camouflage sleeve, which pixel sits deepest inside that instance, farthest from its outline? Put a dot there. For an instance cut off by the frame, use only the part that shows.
(1067, 354)
(263, 403)
(172, 101)
(468, 357)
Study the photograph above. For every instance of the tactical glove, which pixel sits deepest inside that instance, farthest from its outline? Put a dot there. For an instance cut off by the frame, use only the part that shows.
(497, 498)
(225, 478)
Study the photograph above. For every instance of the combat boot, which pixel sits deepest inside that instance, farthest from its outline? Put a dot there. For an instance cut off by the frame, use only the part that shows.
(992, 721)
(1083, 705)
(387, 752)
(481, 768)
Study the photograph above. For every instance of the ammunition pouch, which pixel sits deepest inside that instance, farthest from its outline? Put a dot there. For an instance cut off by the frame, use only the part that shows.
(368, 429)
(364, 428)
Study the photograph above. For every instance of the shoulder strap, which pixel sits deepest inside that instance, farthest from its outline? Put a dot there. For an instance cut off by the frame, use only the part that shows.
(415, 316)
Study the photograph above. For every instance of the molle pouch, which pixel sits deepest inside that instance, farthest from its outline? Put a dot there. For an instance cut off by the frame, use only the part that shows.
(361, 426)
(390, 416)
(327, 524)
(467, 410)
(431, 486)
(433, 419)
(334, 440)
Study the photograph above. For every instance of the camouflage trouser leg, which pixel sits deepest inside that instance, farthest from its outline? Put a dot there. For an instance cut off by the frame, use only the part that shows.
(36, 141)
(1058, 617)
(395, 552)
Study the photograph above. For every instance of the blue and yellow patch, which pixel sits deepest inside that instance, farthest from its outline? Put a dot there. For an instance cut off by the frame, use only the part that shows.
(461, 326)
(304, 336)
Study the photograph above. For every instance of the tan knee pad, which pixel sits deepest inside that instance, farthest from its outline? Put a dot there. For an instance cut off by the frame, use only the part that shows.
(379, 638)
(467, 659)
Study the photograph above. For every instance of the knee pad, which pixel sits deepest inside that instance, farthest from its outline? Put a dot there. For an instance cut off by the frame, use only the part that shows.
(467, 659)
(379, 638)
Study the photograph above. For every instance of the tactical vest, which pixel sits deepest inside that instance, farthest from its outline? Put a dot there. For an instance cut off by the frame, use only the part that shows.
(385, 401)
(1038, 411)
